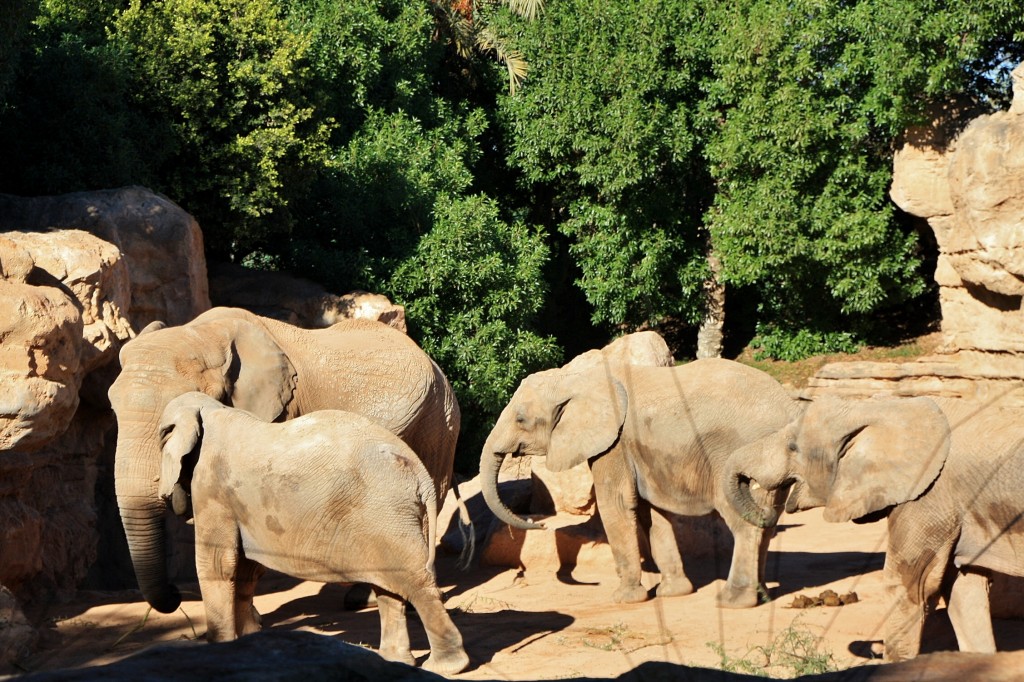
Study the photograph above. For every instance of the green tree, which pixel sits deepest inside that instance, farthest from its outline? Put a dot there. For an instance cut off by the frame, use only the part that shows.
(604, 133)
(68, 120)
(805, 104)
(227, 76)
(472, 290)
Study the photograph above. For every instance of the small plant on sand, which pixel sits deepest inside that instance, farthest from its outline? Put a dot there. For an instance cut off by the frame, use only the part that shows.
(796, 651)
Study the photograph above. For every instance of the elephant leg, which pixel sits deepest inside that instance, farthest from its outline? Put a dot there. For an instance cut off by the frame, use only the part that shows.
(447, 655)
(744, 586)
(912, 589)
(905, 622)
(247, 618)
(394, 630)
(970, 614)
(665, 549)
(616, 496)
(217, 555)
(915, 565)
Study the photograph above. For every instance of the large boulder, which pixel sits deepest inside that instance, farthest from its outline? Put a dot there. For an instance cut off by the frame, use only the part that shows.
(281, 656)
(161, 243)
(967, 182)
(79, 275)
(295, 300)
(40, 358)
(966, 179)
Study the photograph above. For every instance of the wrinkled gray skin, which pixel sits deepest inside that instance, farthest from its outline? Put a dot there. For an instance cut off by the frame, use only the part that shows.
(330, 496)
(277, 372)
(657, 438)
(948, 474)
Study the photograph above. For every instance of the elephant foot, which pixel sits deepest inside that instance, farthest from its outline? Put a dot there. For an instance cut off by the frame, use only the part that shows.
(448, 663)
(254, 623)
(737, 597)
(397, 654)
(675, 587)
(630, 594)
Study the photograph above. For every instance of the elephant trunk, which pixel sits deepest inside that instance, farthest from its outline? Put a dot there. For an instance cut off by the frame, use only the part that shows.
(490, 464)
(137, 468)
(741, 498)
(751, 471)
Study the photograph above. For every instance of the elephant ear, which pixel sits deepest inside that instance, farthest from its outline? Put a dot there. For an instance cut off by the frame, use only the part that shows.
(891, 453)
(262, 378)
(588, 421)
(180, 434)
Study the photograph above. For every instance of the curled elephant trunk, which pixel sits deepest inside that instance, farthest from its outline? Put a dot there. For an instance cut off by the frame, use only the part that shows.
(738, 490)
(490, 464)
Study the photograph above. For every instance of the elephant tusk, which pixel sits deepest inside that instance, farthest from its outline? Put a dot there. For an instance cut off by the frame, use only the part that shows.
(754, 485)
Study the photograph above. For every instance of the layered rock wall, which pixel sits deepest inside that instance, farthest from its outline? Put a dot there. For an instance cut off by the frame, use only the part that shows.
(969, 186)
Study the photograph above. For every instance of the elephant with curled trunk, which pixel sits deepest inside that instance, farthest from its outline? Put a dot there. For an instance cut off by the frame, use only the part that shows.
(656, 438)
(277, 372)
(947, 474)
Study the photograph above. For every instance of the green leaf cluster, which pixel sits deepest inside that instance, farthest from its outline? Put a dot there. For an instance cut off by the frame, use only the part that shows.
(375, 144)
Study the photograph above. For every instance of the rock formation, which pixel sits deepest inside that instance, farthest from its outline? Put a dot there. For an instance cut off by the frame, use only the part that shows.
(970, 189)
(282, 656)
(297, 301)
(80, 274)
(969, 186)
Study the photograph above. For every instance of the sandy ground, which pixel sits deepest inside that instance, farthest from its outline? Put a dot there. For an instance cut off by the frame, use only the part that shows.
(540, 625)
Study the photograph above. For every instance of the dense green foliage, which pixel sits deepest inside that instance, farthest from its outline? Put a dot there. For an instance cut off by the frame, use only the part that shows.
(393, 145)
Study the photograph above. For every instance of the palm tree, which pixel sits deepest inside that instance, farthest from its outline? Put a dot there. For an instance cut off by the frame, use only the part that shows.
(463, 24)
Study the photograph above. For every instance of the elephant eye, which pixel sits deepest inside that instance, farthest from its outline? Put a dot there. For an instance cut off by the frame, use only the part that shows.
(791, 446)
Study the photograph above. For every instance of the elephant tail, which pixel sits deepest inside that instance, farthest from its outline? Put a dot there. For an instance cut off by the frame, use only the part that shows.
(466, 530)
(428, 496)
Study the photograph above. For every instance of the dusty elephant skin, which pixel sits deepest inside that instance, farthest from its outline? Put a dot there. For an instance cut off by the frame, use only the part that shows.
(330, 496)
(277, 372)
(948, 473)
(657, 439)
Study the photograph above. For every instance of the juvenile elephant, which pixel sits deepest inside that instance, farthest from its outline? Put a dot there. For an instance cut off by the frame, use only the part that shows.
(277, 372)
(654, 436)
(947, 473)
(330, 496)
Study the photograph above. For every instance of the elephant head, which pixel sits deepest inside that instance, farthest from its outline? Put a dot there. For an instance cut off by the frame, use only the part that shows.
(568, 416)
(181, 431)
(223, 353)
(855, 458)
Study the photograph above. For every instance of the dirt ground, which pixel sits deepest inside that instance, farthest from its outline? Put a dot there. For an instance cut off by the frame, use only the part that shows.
(541, 625)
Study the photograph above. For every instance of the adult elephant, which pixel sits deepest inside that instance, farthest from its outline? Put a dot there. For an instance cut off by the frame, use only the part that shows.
(275, 371)
(655, 437)
(948, 475)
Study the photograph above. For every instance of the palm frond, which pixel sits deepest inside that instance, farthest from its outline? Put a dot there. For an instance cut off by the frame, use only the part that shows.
(513, 60)
(527, 9)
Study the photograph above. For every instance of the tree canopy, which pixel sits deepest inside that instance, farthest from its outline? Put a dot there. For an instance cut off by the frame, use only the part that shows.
(526, 178)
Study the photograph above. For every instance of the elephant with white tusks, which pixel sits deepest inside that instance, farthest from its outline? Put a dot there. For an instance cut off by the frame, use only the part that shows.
(330, 496)
(947, 473)
(277, 372)
(657, 438)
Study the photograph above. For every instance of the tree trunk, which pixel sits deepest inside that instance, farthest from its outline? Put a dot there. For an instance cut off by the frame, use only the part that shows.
(710, 335)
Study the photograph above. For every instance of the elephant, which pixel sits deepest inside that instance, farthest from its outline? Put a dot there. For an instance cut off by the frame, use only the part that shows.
(657, 439)
(330, 496)
(947, 474)
(277, 372)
